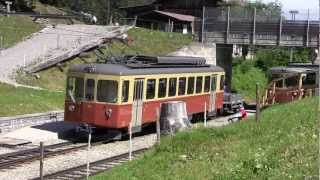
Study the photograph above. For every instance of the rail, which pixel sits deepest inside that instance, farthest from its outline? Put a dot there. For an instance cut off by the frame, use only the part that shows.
(96, 167)
(15, 159)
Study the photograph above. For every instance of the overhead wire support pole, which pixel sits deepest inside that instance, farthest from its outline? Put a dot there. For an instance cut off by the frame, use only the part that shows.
(280, 29)
(228, 25)
(203, 21)
(254, 26)
(308, 28)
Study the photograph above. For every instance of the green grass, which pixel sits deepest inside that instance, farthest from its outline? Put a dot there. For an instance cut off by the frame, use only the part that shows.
(18, 101)
(146, 42)
(284, 145)
(14, 28)
(244, 78)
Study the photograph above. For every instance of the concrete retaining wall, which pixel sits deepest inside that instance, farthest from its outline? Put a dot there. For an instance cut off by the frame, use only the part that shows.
(8, 124)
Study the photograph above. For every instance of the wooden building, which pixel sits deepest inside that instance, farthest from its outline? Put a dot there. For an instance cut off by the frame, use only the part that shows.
(169, 15)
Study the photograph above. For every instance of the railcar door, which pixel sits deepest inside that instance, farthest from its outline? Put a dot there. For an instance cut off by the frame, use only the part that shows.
(137, 105)
(213, 89)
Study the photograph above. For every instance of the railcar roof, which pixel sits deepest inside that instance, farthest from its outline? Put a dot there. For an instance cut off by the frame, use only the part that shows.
(294, 70)
(122, 70)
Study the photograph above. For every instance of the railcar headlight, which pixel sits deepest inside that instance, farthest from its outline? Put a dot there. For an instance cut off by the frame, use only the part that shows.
(71, 108)
(108, 113)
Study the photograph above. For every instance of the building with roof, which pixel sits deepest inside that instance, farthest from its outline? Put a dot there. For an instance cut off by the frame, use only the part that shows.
(169, 15)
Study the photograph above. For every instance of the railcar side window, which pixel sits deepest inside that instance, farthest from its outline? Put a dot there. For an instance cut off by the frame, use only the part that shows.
(125, 91)
(151, 87)
(190, 85)
(207, 84)
(162, 90)
(90, 89)
(107, 91)
(199, 84)
(214, 83)
(182, 86)
(222, 82)
(172, 87)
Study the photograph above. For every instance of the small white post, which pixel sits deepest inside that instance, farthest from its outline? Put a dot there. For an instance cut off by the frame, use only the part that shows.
(24, 60)
(205, 114)
(88, 152)
(130, 141)
(1, 45)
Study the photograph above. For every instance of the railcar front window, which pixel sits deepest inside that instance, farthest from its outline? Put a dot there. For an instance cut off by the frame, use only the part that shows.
(107, 91)
(76, 87)
(310, 79)
(292, 81)
(125, 91)
(90, 89)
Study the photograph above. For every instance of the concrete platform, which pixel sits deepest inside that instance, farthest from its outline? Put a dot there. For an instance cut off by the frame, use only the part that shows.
(51, 133)
(12, 142)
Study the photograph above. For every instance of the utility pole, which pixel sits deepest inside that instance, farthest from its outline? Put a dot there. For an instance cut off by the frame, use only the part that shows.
(108, 19)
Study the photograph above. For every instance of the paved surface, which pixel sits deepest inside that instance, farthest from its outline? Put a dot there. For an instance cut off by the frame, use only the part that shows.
(207, 51)
(46, 43)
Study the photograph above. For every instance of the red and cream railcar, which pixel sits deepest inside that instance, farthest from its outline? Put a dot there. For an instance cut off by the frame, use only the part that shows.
(292, 82)
(113, 95)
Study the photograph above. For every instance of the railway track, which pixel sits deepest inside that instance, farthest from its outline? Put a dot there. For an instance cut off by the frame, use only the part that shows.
(11, 160)
(96, 167)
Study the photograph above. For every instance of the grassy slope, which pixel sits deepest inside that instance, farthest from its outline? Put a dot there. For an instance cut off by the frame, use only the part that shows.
(17, 101)
(244, 79)
(15, 28)
(283, 145)
(146, 42)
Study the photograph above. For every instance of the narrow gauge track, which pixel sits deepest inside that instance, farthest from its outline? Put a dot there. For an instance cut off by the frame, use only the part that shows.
(14, 159)
(96, 167)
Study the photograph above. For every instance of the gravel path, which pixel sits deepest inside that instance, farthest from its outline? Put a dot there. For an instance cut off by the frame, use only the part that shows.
(58, 163)
(45, 43)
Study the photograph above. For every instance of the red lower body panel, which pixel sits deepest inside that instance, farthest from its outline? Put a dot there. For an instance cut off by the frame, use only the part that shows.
(119, 116)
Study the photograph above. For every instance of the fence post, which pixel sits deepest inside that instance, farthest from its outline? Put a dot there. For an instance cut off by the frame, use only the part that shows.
(41, 160)
(88, 152)
(158, 127)
(205, 114)
(130, 141)
(257, 103)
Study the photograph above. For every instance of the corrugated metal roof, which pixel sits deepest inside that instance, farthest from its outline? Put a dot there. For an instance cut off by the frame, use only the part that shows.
(123, 70)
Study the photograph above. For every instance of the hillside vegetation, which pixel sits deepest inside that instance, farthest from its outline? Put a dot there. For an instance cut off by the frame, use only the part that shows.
(14, 29)
(284, 145)
(146, 42)
(19, 100)
(244, 78)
